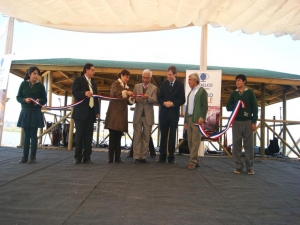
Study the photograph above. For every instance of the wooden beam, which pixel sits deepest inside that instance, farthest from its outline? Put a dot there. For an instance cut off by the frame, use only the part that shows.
(45, 73)
(58, 80)
(65, 75)
(62, 87)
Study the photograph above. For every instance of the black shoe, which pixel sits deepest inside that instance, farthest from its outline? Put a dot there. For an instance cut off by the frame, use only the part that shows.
(109, 161)
(161, 160)
(77, 161)
(87, 161)
(172, 162)
(119, 161)
(143, 161)
(136, 161)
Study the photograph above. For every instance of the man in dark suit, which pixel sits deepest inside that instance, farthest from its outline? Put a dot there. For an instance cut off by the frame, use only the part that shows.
(171, 97)
(85, 113)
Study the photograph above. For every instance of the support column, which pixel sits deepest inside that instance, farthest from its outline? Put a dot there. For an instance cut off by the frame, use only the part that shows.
(65, 104)
(203, 48)
(8, 50)
(21, 139)
(284, 119)
(71, 130)
(262, 127)
(49, 82)
(203, 66)
(9, 37)
(221, 124)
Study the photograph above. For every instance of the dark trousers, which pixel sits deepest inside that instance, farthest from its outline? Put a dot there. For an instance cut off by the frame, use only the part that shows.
(84, 136)
(114, 148)
(30, 133)
(166, 125)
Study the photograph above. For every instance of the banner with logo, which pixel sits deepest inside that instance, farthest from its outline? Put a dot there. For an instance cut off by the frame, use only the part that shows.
(5, 63)
(211, 81)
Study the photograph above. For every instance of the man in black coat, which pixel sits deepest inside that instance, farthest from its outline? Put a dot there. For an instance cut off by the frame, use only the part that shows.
(171, 97)
(85, 113)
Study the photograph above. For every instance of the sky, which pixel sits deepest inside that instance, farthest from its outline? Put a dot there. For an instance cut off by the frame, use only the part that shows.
(234, 49)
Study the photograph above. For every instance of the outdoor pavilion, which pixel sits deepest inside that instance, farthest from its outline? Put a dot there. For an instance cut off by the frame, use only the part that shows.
(55, 192)
(263, 16)
(269, 86)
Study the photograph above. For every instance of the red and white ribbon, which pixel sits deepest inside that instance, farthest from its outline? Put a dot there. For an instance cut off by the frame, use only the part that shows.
(75, 103)
(233, 114)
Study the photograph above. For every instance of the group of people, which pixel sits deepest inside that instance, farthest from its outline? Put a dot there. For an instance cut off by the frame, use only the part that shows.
(170, 97)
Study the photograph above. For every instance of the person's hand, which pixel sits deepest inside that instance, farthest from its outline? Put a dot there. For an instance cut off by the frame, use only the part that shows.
(145, 96)
(129, 93)
(253, 126)
(27, 100)
(98, 116)
(166, 104)
(200, 121)
(88, 94)
(171, 104)
(37, 100)
(185, 126)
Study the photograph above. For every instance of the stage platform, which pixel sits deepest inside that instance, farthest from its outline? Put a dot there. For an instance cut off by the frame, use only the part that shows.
(54, 191)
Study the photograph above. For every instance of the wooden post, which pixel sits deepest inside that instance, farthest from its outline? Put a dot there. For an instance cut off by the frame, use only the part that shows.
(262, 130)
(49, 79)
(284, 119)
(71, 130)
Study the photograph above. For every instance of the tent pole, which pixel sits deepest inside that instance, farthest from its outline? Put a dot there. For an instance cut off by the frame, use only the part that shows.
(263, 122)
(9, 37)
(203, 66)
(203, 50)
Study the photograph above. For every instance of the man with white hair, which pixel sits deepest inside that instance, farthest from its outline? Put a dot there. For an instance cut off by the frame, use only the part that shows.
(196, 111)
(143, 117)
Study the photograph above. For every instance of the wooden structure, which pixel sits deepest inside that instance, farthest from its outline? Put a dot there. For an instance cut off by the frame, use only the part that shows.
(270, 87)
(62, 72)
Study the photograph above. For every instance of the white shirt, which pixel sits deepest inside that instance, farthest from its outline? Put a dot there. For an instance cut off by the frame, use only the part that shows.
(191, 99)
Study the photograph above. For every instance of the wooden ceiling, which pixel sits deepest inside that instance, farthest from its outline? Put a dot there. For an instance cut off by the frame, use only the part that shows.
(62, 78)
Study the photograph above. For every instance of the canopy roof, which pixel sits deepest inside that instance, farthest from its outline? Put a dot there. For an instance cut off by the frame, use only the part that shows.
(63, 71)
(278, 17)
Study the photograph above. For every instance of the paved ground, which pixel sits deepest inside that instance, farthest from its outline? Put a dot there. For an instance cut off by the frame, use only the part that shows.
(54, 191)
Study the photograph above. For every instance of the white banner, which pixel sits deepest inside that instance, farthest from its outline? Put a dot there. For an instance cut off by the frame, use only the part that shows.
(5, 63)
(211, 81)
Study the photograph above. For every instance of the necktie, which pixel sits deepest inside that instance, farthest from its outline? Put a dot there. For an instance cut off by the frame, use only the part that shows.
(91, 90)
(171, 85)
